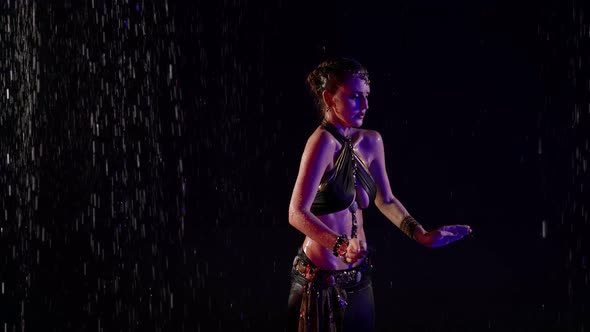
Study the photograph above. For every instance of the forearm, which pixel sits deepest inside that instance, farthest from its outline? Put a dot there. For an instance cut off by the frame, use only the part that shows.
(310, 225)
(394, 210)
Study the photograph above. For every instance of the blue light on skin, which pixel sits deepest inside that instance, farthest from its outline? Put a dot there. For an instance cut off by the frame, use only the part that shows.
(137, 7)
(127, 23)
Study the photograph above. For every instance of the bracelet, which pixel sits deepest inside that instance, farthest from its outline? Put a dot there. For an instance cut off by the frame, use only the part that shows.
(408, 226)
(341, 245)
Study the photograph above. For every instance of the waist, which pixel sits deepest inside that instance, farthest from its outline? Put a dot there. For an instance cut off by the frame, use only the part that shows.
(305, 271)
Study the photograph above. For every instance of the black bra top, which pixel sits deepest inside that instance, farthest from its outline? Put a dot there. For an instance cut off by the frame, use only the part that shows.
(337, 189)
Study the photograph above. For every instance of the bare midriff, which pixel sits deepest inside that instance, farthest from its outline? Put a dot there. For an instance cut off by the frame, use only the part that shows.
(341, 223)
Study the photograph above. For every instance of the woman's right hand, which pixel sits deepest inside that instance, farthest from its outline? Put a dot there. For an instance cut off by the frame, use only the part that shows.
(356, 251)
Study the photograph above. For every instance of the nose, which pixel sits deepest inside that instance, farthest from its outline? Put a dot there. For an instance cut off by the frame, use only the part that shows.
(364, 103)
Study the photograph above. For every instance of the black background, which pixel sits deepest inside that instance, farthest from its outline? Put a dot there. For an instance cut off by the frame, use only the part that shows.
(483, 108)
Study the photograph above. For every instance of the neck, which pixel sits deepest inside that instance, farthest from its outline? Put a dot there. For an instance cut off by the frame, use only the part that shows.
(344, 130)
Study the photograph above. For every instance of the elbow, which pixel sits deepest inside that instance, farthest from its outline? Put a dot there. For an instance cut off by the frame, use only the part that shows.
(384, 201)
(299, 217)
(380, 203)
(292, 221)
(384, 204)
(294, 216)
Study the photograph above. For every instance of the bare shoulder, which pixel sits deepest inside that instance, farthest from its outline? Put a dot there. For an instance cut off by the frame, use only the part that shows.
(371, 137)
(320, 141)
(370, 144)
(322, 137)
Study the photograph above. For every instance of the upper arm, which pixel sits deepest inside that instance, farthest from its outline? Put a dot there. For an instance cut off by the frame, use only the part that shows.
(379, 171)
(317, 155)
(385, 201)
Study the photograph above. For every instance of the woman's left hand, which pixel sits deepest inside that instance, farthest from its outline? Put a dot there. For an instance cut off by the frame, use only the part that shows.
(444, 235)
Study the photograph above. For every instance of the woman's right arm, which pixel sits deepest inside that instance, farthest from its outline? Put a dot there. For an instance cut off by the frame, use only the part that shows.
(318, 154)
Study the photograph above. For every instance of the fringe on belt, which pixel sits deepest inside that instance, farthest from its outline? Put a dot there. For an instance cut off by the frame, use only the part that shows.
(325, 293)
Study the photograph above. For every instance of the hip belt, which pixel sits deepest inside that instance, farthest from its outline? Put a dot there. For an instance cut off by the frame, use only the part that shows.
(305, 271)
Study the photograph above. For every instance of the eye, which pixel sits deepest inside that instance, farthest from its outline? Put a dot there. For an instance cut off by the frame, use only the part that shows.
(358, 95)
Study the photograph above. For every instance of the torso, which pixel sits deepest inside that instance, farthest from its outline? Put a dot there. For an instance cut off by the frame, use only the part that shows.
(341, 221)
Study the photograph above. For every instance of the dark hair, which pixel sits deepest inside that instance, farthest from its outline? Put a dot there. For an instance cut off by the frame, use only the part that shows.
(331, 73)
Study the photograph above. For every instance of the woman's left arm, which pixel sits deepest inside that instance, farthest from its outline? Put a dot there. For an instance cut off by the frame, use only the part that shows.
(394, 210)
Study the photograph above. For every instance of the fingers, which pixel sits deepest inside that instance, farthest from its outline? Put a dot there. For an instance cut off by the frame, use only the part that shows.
(363, 247)
(457, 229)
(465, 229)
(357, 249)
(460, 232)
(448, 234)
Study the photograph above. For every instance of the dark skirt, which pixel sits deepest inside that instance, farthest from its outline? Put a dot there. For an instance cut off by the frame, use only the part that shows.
(330, 300)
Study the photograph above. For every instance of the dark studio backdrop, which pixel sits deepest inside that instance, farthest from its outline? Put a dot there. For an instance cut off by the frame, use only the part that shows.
(148, 151)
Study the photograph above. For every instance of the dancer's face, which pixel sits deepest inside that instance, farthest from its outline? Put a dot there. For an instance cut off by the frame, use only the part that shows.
(349, 103)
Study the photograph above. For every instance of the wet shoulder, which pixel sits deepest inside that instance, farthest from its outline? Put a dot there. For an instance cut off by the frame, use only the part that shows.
(368, 137)
(368, 145)
(322, 140)
(323, 137)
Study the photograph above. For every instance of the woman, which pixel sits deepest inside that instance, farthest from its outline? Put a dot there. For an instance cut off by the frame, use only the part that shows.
(342, 171)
